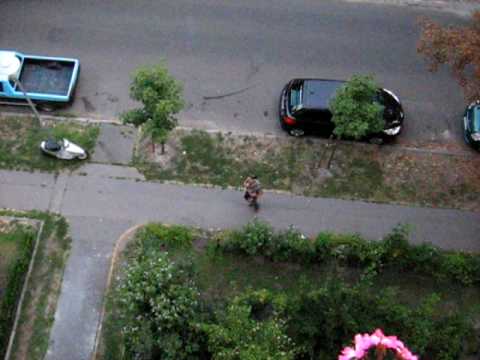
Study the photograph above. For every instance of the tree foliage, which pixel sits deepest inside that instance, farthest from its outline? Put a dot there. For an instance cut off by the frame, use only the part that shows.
(161, 96)
(355, 111)
(458, 48)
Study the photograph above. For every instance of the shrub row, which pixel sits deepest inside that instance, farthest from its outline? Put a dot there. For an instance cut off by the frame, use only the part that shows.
(25, 239)
(258, 238)
(163, 316)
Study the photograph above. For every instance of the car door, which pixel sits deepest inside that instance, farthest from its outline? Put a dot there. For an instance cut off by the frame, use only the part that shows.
(321, 121)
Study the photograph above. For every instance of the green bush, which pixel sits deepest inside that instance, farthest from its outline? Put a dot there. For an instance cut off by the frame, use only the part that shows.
(25, 238)
(158, 304)
(322, 248)
(263, 303)
(355, 251)
(253, 239)
(159, 236)
(448, 338)
(396, 247)
(237, 335)
(257, 238)
(323, 321)
(290, 245)
(461, 267)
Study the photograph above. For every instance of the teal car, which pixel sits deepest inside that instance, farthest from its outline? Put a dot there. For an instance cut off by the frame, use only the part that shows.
(471, 125)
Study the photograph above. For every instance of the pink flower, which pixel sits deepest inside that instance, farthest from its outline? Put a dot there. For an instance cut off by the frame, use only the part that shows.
(377, 339)
(347, 354)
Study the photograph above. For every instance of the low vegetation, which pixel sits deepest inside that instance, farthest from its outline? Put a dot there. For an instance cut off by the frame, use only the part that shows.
(355, 170)
(37, 313)
(254, 293)
(20, 139)
(17, 240)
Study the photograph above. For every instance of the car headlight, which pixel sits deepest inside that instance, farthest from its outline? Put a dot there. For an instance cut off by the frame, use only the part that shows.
(476, 136)
(392, 131)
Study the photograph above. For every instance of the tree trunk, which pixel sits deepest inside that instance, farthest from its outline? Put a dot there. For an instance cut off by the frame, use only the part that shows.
(163, 147)
(153, 145)
(334, 144)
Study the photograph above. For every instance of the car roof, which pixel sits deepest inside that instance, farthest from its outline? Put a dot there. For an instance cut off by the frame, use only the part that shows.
(317, 93)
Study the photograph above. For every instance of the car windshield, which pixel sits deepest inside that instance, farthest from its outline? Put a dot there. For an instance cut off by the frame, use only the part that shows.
(476, 120)
(295, 101)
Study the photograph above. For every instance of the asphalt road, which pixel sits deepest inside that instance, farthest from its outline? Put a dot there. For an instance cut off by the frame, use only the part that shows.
(241, 52)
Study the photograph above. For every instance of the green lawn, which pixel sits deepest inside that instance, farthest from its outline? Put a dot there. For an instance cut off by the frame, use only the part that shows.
(20, 139)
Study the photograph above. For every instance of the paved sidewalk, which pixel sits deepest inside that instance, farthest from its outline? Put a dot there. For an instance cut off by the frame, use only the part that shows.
(100, 207)
(78, 309)
(115, 144)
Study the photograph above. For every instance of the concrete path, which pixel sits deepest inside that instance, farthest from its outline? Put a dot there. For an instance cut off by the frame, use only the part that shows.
(102, 201)
(78, 309)
(115, 144)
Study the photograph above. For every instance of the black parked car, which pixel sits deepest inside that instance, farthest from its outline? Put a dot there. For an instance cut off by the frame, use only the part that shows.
(304, 108)
(471, 125)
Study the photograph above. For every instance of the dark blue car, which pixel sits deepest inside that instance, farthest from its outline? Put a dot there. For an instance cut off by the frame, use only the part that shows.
(471, 125)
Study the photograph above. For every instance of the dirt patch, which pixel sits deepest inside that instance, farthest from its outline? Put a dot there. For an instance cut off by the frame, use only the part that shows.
(13, 129)
(433, 179)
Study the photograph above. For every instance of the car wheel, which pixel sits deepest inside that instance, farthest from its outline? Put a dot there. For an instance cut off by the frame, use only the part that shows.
(296, 132)
(47, 107)
(83, 156)
(376, 140)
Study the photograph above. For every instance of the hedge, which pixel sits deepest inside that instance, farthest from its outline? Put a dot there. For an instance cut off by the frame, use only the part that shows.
(258, 238)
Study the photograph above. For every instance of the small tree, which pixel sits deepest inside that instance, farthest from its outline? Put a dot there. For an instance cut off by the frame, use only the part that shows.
(457, 47)
(355, 111)
(161, 96)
